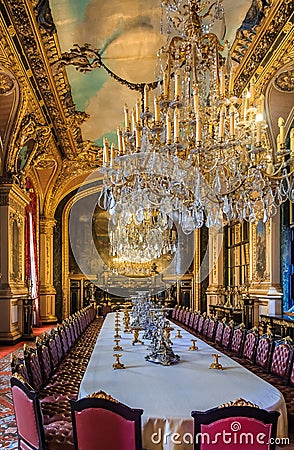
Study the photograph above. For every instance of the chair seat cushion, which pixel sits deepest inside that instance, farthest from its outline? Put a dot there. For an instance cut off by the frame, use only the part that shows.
(58, 435)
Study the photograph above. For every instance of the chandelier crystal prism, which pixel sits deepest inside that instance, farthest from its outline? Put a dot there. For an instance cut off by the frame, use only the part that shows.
(196, 153)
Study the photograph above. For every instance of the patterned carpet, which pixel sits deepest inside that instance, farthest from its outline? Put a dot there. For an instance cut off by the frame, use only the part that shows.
(8, 435)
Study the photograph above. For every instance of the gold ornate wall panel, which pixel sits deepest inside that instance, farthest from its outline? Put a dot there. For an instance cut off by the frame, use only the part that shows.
(253, 49)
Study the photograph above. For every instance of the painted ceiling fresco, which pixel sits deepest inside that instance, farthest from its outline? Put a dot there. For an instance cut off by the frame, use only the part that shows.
(127, 33)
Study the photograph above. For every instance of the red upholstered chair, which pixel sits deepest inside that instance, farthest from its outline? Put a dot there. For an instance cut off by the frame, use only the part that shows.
(33, 367)
(200, 324)
(33, 434)
(235, 427)
(227, 336)
(187, 318)
(264, 352)
(237, 339)
(282, 356)
(211, 329)
(27, 415)
(205, 326)
(191, 321)
(195, 322)
(101, 422)
(250, 345)
(173, 314)
(181, 313)
(219, 332)
(18, 366)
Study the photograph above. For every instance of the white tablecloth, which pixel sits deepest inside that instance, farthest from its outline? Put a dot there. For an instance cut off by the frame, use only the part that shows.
(168, 394)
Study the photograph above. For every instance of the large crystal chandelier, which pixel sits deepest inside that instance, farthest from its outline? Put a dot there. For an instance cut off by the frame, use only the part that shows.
(199, 155)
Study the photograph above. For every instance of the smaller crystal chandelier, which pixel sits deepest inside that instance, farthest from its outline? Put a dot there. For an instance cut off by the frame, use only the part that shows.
(132, 269)
(200, 155)
(142, 237)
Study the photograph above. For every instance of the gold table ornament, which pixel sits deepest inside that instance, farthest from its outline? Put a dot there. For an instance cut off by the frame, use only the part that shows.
(167, 332)
(117, 335)
(117, 347)
(216, 364)
(193, 346)
(179, 336)
(136, 336)
(117, 364)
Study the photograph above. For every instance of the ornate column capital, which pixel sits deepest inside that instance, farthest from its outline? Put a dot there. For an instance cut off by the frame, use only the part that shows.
(47, 225)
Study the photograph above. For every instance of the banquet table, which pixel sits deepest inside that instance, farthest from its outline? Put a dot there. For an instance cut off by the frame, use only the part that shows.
(168, 394)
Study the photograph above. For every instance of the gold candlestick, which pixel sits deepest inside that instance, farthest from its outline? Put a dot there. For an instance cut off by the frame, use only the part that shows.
(117, 335)
(117, 347)
(136, 335)
(193, 346)
(179, 336)
(216, 364)
(167, 332)
(117, 364)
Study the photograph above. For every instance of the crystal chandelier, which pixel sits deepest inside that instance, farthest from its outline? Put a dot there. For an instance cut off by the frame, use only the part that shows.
(131, 269)
(144, 237)
(200, 155)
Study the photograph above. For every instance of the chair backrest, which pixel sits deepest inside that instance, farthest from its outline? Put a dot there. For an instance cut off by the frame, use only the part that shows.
(200, 324)
(181, 313)
(187, 318)
(205, 326)
(195, 322)
(191, 321)
(263, 352)
(27, 415)
(211, 329)
(53, 352)
(102, 419)
(281, 358)
(219, 332)
(44, 358)
(227, 336)
(174, 312)
(18, 367)
(237, 340)
(33, 367)
(250, 345)
(238, 427)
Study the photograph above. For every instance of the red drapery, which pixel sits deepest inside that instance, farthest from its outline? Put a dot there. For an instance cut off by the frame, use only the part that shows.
(31, 255)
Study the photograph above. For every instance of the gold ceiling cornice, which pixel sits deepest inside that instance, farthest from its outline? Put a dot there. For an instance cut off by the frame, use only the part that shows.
(252, 49)
(35, 46)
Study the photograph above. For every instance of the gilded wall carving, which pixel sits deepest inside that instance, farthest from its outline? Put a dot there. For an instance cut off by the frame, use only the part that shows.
(251, 54)
(7, 83)
(285, 81)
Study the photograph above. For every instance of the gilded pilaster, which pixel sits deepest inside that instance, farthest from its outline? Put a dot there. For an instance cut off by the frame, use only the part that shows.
(47, 290)
(216, 268)
(13, 289)
(265, 285)
(196, 300)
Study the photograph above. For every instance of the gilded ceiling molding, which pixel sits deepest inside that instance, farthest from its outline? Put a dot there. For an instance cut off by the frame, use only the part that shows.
(7, 83)
(86, 162)
(44, 16)
(284, 82)
(10, 64)
(250, 54)
(35, 49)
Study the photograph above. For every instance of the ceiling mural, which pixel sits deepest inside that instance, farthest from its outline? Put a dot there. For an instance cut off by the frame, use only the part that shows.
(128, 37)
